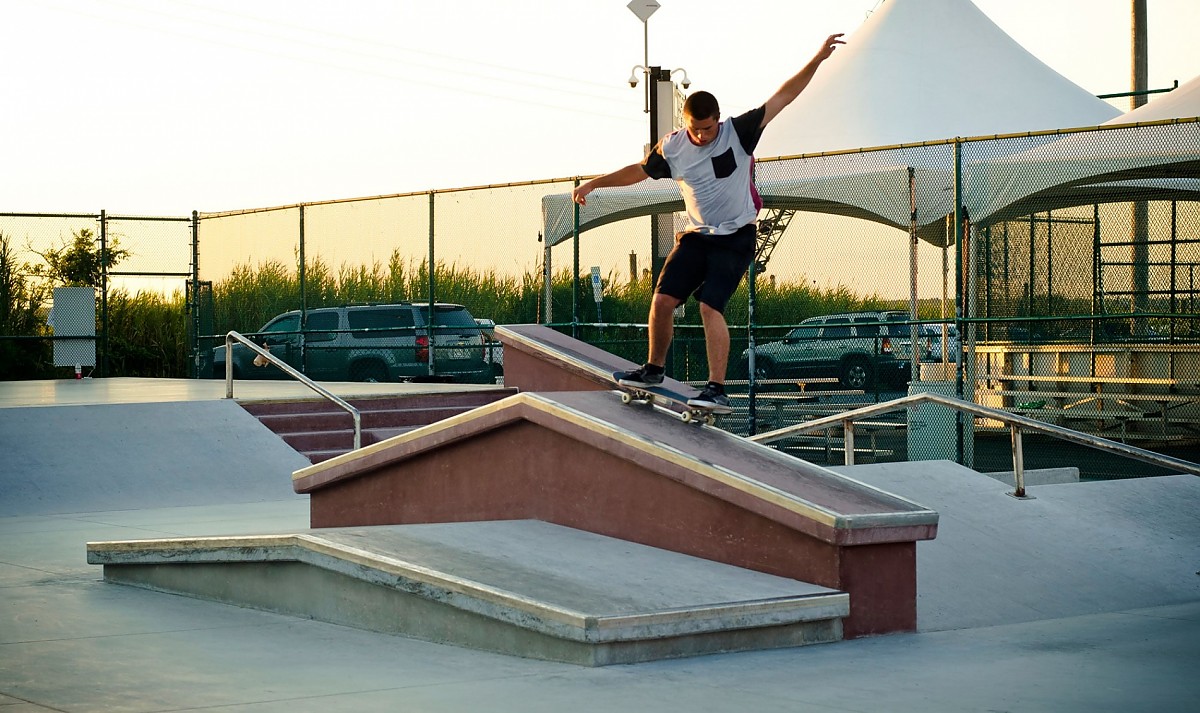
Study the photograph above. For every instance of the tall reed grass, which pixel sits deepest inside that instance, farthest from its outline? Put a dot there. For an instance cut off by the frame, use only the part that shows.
(148, 331)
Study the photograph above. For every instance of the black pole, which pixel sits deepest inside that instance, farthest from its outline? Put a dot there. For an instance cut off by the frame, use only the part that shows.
(751, 296)
(431, 364)
(103, 366)
(195, 345)
(302, 274)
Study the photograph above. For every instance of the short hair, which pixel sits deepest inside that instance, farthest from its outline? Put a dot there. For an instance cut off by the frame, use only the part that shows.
(702, 105)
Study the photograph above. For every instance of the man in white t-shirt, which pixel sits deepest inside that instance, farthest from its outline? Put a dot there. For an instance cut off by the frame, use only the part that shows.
(713, 162)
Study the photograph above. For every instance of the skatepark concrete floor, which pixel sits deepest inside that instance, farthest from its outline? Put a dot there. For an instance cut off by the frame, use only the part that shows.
(1088, 600)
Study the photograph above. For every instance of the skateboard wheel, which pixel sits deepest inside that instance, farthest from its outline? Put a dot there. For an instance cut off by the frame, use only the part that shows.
(711, 419)
(626, 397)
(686, 416)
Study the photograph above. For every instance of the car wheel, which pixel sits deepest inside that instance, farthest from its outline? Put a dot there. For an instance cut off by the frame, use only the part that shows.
(371, 371)
(856, 373)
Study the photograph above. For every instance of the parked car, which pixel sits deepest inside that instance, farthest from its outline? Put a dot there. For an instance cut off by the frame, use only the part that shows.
(932, 335)
(493, 350)
(857, 348)
(387, 342)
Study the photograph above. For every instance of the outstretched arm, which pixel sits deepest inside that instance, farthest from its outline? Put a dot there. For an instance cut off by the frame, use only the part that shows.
(792, 87)
(631, 174)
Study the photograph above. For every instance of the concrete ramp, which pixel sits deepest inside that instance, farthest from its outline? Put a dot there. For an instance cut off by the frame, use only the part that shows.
(1072, 550)
(584, 460)
(90, 458)
(525, 588)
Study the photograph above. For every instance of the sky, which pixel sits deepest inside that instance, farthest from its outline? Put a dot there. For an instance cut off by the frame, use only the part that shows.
(162, 107)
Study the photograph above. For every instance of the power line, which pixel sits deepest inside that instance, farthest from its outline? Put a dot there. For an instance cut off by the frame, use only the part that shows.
(291, 56)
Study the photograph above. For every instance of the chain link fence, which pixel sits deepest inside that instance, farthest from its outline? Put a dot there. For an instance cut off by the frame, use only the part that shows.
(1050, 274)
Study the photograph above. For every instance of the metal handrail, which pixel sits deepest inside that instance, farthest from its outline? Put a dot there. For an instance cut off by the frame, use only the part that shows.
(231, 337)
(1016, 424)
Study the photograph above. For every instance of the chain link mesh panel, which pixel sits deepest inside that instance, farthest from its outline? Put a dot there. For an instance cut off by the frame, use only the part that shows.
(1071, 296)
(1081, 292)
(141, 320)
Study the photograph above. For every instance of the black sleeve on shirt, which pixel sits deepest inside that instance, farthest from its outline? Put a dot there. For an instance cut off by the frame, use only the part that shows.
(655, 165)
(749, 127)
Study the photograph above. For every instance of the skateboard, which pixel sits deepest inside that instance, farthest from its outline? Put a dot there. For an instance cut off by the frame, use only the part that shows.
(665, 396)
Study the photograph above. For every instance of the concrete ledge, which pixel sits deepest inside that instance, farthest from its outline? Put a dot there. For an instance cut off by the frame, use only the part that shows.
(1040, 476)
(523, 587)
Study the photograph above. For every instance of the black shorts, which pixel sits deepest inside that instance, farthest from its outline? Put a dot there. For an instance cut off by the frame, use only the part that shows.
(707, 266)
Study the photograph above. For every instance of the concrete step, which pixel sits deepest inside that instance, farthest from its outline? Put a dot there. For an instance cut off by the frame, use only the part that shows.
(470, 398)
(337, 419)
(320, 430)
(521, 587)
(339, 441)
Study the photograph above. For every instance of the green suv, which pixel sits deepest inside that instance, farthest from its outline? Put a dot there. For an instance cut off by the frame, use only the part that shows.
(387, 342)
(857, 348)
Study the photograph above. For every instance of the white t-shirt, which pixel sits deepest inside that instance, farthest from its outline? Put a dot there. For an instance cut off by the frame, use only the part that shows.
(716, 179)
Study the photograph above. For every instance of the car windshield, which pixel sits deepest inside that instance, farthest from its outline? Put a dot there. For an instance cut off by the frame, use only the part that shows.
(803, 333)
(287, 323)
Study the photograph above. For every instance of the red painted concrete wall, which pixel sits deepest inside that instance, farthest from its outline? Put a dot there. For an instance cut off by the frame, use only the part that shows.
(525, 471)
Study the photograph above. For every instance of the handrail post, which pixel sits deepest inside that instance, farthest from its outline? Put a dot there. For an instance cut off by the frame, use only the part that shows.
(848, 440)
(1018, 455)
(290, 371)
(229, 365)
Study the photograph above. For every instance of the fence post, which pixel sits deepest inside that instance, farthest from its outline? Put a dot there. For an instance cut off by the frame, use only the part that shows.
(302, 273)
(432, 283)
(548, 281)
(575, 274)
(751, 379)
(103, 366)
(195, 315)
(959, 287)
(914, 330)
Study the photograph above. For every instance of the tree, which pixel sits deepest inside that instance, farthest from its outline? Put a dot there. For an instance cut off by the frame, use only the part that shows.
(82, 263)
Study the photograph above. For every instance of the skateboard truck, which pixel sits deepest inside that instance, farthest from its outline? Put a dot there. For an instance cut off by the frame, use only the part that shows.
(690, 414)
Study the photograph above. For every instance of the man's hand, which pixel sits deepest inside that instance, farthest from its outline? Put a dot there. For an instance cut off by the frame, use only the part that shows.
(631, 174)
(830, 45)
(579, 195)
(792, 87)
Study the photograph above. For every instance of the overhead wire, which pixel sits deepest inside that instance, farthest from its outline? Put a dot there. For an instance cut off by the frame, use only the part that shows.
(141, 20)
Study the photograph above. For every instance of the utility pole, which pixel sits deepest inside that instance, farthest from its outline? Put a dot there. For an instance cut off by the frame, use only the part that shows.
(1139, 227)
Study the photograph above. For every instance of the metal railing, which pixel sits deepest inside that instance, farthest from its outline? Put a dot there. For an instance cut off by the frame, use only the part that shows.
(1016, 424)
(231, 337)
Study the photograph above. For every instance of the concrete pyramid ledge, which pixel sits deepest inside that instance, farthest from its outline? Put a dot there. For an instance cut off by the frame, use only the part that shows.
(526, 588)
(586, 461)
(806, 496)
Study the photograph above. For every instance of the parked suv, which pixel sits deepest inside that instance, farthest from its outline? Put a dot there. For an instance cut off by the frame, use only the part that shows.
(388, 342)
(857, 348)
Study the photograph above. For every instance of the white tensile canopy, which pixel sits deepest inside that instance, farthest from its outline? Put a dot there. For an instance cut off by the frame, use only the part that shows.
(1122, 164)
(916, 70)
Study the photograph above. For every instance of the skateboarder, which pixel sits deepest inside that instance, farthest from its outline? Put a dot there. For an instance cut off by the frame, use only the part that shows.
(712, 161)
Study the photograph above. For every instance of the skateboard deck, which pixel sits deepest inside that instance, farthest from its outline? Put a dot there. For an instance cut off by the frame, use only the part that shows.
(668, 397)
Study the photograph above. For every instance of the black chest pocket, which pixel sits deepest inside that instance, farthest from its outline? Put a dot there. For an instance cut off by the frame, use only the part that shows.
(725, 164)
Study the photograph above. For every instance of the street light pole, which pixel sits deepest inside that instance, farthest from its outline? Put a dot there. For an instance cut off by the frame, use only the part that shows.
(643, 9)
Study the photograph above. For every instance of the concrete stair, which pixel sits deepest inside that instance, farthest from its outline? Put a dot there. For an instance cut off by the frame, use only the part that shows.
(320, 430)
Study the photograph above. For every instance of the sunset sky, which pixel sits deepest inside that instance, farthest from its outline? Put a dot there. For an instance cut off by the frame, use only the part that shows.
(163, 107)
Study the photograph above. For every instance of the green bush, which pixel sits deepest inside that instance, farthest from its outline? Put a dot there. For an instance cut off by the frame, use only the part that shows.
(21, 307)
